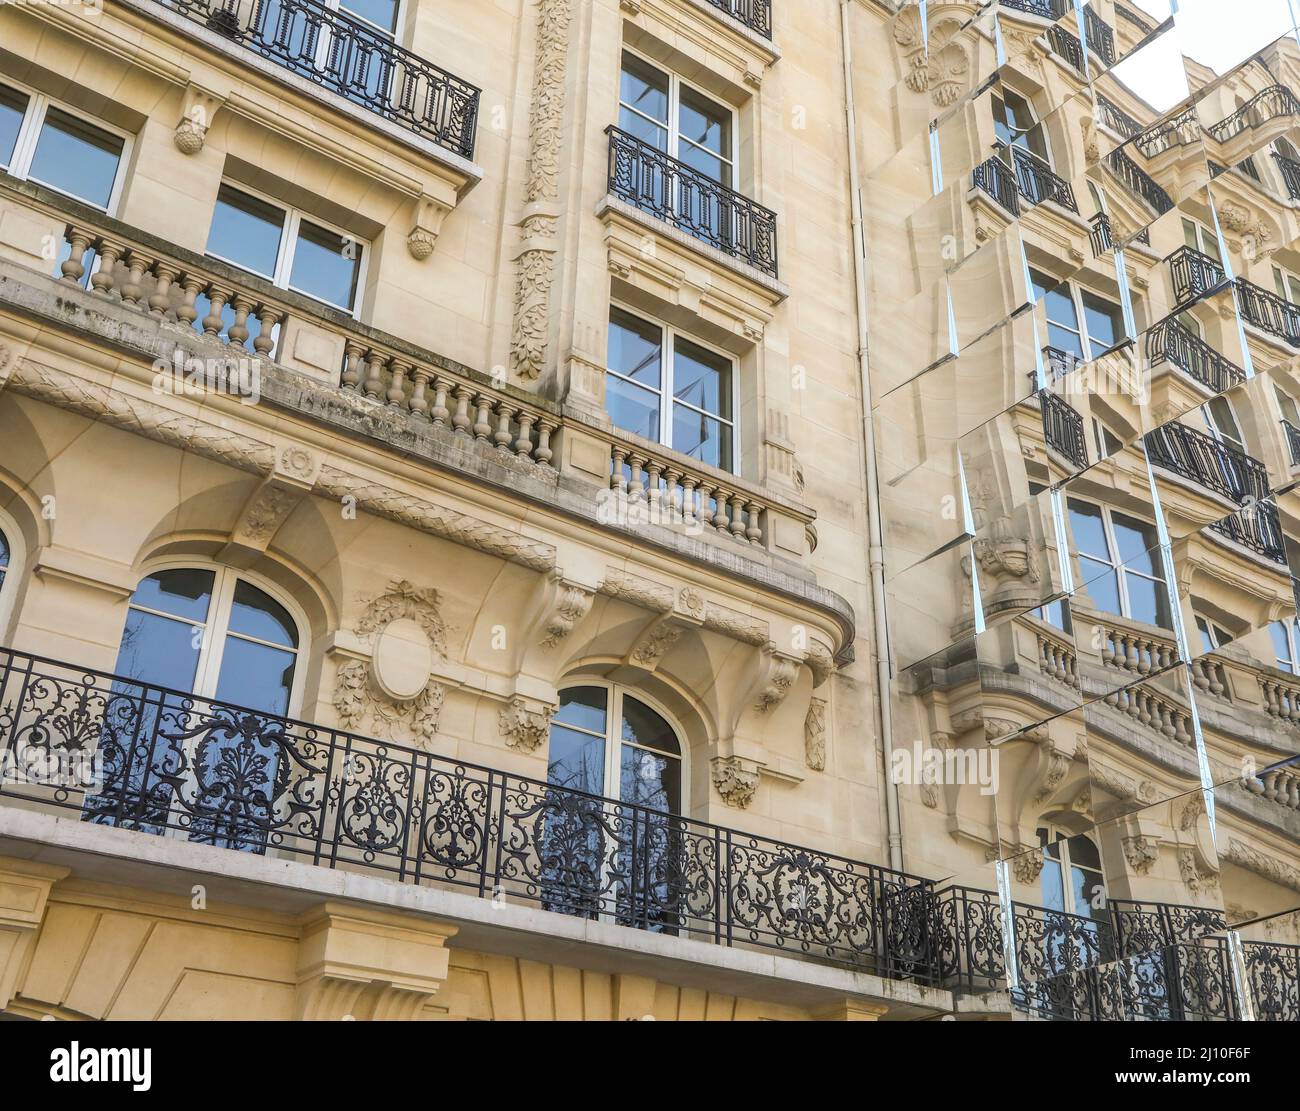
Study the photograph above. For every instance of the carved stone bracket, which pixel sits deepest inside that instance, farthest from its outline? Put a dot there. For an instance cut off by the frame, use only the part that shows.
(426, 225)
(525, 723)
(276, 496)
(777, 676)
(735, 779)
(198, 107)
(570, 603)
(1141, 852)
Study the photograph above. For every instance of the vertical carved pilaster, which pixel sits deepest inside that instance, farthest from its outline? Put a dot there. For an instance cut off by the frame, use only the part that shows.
(535, 261)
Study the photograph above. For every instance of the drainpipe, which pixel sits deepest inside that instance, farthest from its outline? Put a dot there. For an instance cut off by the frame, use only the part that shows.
(875, 532)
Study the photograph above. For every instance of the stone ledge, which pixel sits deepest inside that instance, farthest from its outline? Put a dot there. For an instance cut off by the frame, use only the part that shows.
(141, 861)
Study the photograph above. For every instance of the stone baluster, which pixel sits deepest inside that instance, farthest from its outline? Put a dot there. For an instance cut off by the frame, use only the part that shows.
(239, 331)
(482, 425)
(72, 268)
(373, 386)
(672, 484)
(269, 318)
(137, 265)
(720, 499)
(439, 414)
(215, 321)
(754, 531)
(396, 393)
(617, 479)
(524, 445)
(1182, 734)
(635, 486)
(545, 429)
(104, 277)
(737, 517)
(688, 500)
(460, 419)
(654, 468)
(419, 403)
(160, 299)
(353, 354)
(504, 437)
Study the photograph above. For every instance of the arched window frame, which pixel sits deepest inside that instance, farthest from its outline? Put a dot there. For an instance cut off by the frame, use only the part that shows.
(208, 670)
(11, 572)
(613, 732)
(1061, 836)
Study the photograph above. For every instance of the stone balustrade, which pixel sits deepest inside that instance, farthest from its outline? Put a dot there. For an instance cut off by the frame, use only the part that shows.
(1281, 699)
(1279, 785)
(1154, 712)
(1136, 651)
(1057, 660)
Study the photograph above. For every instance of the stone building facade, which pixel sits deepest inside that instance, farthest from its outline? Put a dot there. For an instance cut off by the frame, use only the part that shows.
(679, 508)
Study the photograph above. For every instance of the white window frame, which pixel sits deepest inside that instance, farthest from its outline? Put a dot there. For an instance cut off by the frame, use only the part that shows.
(29, 133)
(1203, 235)
(675, 85)
(1209, 630)
(667, 357)
(1215, 431)
(1286, 285)
(1060, 836)
(12, 571)
(293, 218)
(1050, 160)
(614, 742)
(1076, 292)
(1121, 570)
(216, 627)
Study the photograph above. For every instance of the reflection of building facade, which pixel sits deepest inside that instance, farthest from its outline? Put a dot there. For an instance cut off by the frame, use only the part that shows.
(439, 576)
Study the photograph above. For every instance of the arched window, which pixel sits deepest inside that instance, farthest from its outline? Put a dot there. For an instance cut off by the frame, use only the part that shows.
(622, 856)
(1071, 879)
(4, 559)
(174, 760)
(211, 632)
(606, 741)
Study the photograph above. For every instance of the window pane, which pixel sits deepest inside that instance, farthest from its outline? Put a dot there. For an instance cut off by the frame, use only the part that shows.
(1281, 645)
(644, 88)
(256, 676)
(158, 650)
(256, 614)
(710, 165)
(76, 158)
(184, 592)
(1223, 420)
(705, 123)
(576, 760)
(382, 13)
(632, 408)
(326, 265)
(4, 552)
(1102, 585)
(642, 726)
(1136, 541)
(701, 437)
(1103, 322)
(649, 780)
(634, 348)
(1053, 890)
(583, 708)
(1060, 307)
(246, 231)
(13, 106)
(1062, 340)
(1085, 524)
(702, 378)
(1147, 601)
(643, 129)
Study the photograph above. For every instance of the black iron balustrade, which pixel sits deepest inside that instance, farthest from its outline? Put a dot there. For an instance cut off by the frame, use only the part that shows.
(1100, 235)
(1181, 130)
(754, 14)
(1119, 121)
(171, 763)
(1139, 182)
(1194, 274)
(1269, 104)
(1066, 45)
(968, 953)
(995, 178)
(1269, 312)
(1290, 170)
(1037, 182)
(1150, 927)
(349, 57)
(1273, 973)
(1045, 9)
(1101, 36)
(1063, 428)
(1130, 16)
(1170, 341)
(1228, 472)
(1292, 441)
(704, 208)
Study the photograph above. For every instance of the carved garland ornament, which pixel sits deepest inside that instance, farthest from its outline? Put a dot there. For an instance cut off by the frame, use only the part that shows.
(536, 262)
(814, 735)
(943, 68)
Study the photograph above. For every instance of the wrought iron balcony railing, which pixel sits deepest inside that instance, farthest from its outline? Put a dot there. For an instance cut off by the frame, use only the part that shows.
(1063, 428)
(1066, 45)
(1290, 170)
(1271, 103)
(165, 762)
(1269, 312)
(351, 58)
(1130, 16)
(1099, 234)
(1101, 36)
(1292, 441)
(1194, 274)
(1119, 121)
(1033, 181)
(1139, 182)
(706, 209)
(122, 753)
(754, 14)
(1045, 9)
(1228, 472)
(1170, 341)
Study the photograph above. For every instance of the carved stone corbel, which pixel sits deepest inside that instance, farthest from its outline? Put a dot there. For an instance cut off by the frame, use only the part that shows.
(570, 603)
(198, 107)
(426, 226)
(269, 506)
(1141, 852)
(735, 779)
(776, 678)
(525, 723)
